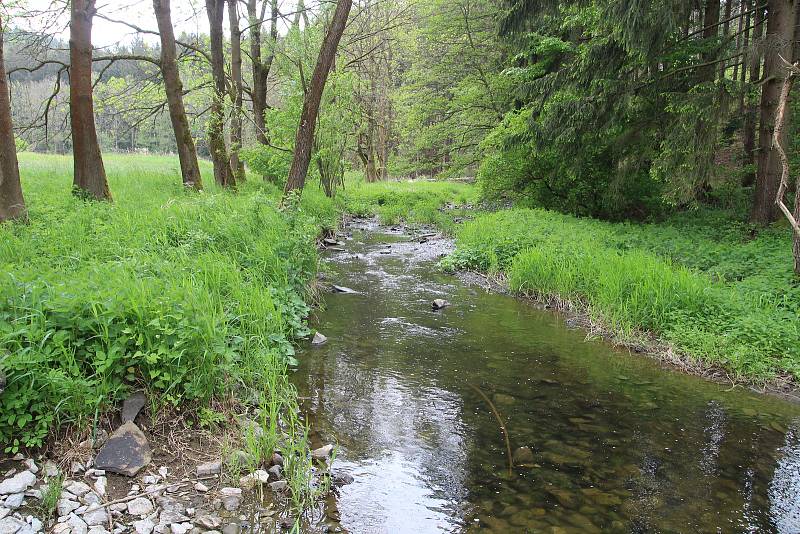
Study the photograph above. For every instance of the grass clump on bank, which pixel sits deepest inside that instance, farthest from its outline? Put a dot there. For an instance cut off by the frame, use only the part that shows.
(714, 295)
(414, 202)
(188, 295)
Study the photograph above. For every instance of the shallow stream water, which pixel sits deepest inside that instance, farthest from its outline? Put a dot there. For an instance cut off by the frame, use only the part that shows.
(618, 443)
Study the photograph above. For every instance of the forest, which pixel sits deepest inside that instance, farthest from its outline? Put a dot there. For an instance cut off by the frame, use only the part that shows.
(180, 181)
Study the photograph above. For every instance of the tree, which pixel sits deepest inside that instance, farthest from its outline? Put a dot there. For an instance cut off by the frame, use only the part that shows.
(190, 170)
(12, 203)
(780, 33)
(223, 174)
(261, 67)
(304, 140)
(89, 172)
(237, 92)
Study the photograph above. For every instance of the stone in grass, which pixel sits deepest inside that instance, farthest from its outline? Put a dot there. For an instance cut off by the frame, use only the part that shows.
(126, 452)
(439, 304)
(18, 483)
(278, 486)
(319, 339)
(132, 406)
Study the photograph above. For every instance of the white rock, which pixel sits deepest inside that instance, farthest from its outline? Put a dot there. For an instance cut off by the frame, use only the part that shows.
(322, 453)
(180, 528)
(145, 526)
(140, 506)
(151, 479)
(95, 515)
(77, 524)
(119, 507)
(98, 530)
(50, 469)
(65, 506)
(209, 522)
(15, 501)
(76, 467)
(18, 457)
(18, 483)
(4, 512)
(31, 465)
(163, 471)
(172, 516)
(11, 525)
(35, 524)
(61, 528)
(231, 492)
(77, 488)
(202, 488)
(100, 486)
(91, 498)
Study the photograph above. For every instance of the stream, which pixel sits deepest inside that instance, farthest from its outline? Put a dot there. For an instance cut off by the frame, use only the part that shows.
(615, 441)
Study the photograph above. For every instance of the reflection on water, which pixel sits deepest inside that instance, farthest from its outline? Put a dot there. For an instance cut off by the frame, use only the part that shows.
(618, 444)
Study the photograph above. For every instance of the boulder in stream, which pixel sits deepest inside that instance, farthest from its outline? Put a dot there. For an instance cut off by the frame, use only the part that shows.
(319, 339)
(342, 289)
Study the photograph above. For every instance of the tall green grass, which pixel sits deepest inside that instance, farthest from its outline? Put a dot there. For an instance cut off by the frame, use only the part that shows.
(189, 295)
(699, 282)
(394, 202)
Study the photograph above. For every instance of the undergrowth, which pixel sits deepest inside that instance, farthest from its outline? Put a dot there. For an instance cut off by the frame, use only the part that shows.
(188, 295)
(699, 282)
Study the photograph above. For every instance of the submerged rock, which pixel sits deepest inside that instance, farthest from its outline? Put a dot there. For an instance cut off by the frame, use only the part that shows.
(523, 456)
(439, 304)
(126, 452)
(319, 339)
(342, 289)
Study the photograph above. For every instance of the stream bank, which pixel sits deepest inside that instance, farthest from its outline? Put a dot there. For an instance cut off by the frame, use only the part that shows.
(603, 440)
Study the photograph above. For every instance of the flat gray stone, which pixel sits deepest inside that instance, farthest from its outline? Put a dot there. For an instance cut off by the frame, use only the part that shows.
(319, 339)
(208, 469)
(77, 524)
(18, 483)
(79, 489)
(65, 506)
(126, 452)
(11, 525)
(145, 526)
(345, 290)
(439, 304)
(132, 406)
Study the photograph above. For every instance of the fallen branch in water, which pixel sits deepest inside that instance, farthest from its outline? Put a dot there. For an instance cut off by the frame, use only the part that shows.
(502, 427)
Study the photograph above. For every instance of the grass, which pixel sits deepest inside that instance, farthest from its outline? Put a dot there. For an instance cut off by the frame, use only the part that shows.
(189, 296)
(415, 202)
(698, 282)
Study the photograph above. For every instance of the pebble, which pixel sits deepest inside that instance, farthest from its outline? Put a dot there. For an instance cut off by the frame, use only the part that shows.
(95, 515)
(202, 488)
(208, 469)
(278, 486)
(322, 453)
(208, 522)
(4, 512)
(31, 465)
(10, 525)
(145, 526)
(14, 501)
(77, 524)
(163, 471)
(18, 483)
(140, 506)
(277, 459)
(180, 528)
(100, 486)
(78, 489)
(65, 506)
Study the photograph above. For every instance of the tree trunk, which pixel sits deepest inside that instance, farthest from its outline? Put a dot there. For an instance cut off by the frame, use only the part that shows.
(710, 30)
(726, 26)
(223, 174)
(89, 173)
(237, 91)
(190, 170)
(12, 204)
(780, 32)
(261, 68)
(308, 118)
(750, 115)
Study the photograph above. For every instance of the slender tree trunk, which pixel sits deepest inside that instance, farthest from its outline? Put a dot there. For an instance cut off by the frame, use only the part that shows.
(190, 170)
(780, 32)
(710, 19)
(750, 116)
(261, 67)
(223, 174)
(304, 140)
(12, 203)
(237, 91)
(89, 173)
